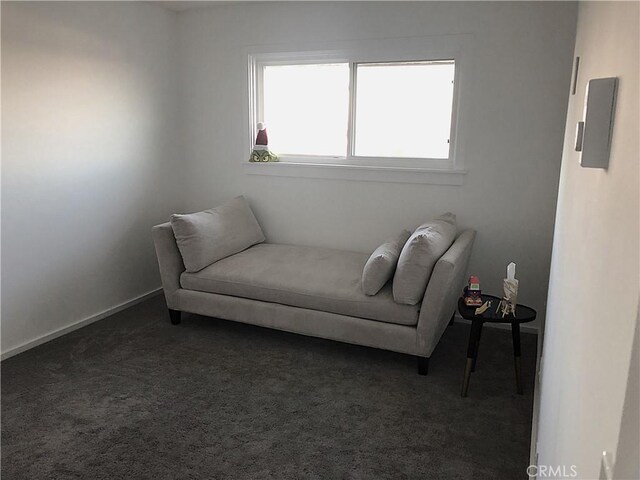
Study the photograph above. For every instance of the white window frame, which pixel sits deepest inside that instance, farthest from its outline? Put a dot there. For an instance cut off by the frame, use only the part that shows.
(410, 170)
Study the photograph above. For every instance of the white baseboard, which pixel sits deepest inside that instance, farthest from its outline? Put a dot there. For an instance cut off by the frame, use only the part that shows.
(501, 326)
(79, 324)
(118, 308)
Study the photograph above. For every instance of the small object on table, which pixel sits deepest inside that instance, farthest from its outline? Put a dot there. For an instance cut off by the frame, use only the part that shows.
(485, 306)
(522, 314)
(507, 305)
(472, 292)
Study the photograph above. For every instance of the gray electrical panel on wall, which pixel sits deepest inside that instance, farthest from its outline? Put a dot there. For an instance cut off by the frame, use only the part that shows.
(593, 136)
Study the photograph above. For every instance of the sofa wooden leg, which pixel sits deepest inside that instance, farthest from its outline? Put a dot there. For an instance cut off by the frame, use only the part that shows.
(423, 365)
(174, 315)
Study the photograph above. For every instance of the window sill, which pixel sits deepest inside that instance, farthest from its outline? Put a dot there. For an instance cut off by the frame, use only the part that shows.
(356, 172)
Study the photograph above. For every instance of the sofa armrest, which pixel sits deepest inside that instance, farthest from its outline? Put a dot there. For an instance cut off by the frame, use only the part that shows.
(442, 293)
(169, 261)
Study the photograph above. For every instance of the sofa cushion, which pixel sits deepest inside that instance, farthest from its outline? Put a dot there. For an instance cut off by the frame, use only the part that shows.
(382, 263)
(307, 277)
(206, 237)
(418, 257)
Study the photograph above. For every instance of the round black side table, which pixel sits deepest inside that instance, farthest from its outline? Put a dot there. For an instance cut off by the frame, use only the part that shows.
(523, 315)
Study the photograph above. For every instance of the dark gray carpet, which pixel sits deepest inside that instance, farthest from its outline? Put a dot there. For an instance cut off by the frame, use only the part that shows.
(134, 397)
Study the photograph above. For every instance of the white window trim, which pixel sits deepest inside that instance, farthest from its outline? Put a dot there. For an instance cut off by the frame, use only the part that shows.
(449, 171)
(356, 172)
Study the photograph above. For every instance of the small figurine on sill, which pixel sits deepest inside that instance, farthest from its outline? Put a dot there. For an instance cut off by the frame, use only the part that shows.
(472, 292)
(261, 152)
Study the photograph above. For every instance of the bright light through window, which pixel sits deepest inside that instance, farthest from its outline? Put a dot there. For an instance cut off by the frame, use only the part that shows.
(404, 109)
(306, 108)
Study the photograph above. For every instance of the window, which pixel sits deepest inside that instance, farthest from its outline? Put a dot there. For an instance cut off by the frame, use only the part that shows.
(403, 109)
(386, 104)
(306, 108)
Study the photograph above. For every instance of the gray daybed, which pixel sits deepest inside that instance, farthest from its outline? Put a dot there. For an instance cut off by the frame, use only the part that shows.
(314, 291)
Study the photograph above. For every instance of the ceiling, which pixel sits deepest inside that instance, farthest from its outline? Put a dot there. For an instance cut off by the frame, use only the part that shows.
(181, 6)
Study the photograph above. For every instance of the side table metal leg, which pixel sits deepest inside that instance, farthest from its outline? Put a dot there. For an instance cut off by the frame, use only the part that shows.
(475, 354)
(515, 333)
(476, 327)
(467, 377)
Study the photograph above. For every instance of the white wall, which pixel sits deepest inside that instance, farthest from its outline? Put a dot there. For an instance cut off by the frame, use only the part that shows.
(103, 124)
(516, 112)
(627, 459)
(89, 158)
(593, 292)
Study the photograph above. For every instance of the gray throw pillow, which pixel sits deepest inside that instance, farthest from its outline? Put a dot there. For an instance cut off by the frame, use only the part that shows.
(382, 263)
(205, 237)
(419, 255)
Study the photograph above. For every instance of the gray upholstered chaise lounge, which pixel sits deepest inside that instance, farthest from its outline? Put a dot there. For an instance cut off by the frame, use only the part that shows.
(314, 291)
